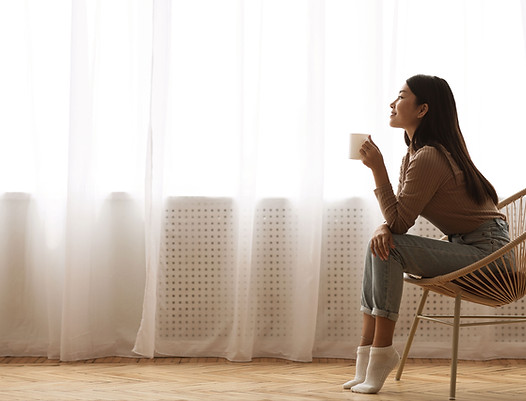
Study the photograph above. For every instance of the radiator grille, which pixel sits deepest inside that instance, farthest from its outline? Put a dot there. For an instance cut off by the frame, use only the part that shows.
(346, 232)
(197, 278)
(195, 297)
(275, 245)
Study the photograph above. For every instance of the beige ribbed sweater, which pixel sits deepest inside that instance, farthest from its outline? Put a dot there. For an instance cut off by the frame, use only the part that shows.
(432, 185)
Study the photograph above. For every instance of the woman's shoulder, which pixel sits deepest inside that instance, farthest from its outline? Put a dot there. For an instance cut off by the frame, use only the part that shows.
(437, 159)
(430, 154)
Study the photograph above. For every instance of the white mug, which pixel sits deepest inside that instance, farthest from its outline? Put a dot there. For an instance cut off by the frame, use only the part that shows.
(355, 144)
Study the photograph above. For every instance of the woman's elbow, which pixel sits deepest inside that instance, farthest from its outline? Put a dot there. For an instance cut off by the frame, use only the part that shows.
(398, 227)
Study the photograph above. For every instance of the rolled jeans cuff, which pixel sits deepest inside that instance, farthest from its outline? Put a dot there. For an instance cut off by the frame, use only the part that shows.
(378, 312)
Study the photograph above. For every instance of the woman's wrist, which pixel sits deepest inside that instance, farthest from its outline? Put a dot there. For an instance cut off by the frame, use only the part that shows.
(380, 175)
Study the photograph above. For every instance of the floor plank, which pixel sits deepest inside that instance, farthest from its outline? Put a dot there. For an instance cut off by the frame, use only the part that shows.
(262, 379)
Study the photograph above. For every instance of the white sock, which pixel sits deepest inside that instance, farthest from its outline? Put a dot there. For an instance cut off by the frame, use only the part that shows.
(362, 360)
(382, 360)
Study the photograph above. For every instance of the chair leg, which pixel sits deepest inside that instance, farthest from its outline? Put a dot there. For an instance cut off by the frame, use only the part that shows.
(411, 334)
(454, 352)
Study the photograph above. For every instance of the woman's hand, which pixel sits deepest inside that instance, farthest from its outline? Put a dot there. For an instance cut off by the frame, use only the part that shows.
(371, 155)
(372, 158)
(382, 242)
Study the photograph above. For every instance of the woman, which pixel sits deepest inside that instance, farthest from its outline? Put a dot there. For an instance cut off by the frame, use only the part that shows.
(438, 181)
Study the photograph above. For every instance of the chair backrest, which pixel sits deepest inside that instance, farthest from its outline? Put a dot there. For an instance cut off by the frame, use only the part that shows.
(503, 280)
(499, 279)
(514, 208)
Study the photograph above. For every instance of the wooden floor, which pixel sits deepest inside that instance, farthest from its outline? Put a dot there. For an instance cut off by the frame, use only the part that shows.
(263, 379)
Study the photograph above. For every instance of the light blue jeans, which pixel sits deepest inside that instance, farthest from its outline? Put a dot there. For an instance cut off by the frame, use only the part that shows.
(383, 280)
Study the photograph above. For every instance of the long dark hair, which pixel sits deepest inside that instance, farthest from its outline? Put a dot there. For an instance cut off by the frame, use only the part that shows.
(440, 127)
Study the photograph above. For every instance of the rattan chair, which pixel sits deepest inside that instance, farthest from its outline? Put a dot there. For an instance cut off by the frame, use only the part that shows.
(498, 279)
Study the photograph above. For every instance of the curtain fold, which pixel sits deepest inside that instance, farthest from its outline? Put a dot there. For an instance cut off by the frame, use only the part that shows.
(174, 177)
(154, 205)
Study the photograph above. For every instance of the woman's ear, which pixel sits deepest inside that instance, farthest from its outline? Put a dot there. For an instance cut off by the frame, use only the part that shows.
(423, 110)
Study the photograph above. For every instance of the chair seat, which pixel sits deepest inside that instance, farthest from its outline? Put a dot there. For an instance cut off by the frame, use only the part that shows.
(494, 288)
(452, 289)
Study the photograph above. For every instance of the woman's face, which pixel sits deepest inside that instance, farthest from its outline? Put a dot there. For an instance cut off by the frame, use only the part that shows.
(405, 113)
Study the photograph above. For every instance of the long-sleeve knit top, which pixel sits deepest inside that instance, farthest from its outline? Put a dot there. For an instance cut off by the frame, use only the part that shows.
(432, 185)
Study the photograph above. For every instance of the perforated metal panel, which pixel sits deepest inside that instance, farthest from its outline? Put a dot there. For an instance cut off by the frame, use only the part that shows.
(346, 232)
(276, 247)
(195, 297)
(198, 276)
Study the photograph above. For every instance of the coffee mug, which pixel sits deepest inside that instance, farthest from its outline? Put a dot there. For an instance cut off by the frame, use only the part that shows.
(355, 144)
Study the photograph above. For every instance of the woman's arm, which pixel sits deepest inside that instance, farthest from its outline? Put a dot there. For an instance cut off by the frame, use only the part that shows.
(425, 172)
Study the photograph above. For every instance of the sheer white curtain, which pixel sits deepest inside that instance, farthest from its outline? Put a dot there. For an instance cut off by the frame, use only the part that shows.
(75, 82)
(241, 116)
(112, 111)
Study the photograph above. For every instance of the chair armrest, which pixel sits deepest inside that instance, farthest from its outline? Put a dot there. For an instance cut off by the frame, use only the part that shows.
(508, 200)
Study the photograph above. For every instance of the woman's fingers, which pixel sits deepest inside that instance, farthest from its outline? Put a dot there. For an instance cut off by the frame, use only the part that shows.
(370, 153)
(382, 242)
(381, 247)
(372, 143)
(367, 145)
(385, 250)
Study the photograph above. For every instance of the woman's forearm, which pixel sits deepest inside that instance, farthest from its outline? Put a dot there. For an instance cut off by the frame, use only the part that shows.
(380, 175)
